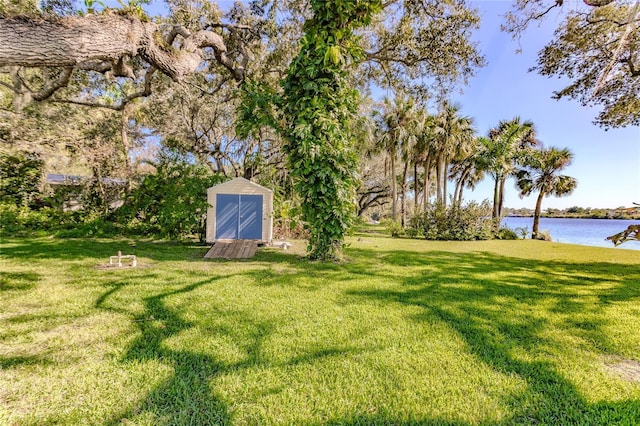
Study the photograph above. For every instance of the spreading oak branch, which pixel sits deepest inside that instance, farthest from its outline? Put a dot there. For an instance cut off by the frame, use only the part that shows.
(106, 43)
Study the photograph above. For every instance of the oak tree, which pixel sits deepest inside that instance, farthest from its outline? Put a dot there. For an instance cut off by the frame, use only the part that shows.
(597, 46)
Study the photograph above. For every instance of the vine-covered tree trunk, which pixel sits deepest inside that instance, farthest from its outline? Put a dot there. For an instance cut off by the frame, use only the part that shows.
(318, 105)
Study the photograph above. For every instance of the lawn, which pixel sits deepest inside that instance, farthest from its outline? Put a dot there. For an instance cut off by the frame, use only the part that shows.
(402, 332)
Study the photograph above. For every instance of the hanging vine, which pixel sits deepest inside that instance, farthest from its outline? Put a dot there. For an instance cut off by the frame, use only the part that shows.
(314, 115)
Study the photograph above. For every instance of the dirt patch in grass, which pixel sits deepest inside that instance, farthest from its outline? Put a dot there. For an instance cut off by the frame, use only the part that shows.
(627, 369)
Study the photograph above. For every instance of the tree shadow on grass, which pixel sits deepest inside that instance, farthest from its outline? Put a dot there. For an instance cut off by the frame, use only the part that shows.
(15, 361)
(18, 280)
(485, 298)
(185, 397)
(476, 294)
(188, 396)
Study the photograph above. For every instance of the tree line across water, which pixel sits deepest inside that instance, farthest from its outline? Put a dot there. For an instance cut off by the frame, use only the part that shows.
(576, 212)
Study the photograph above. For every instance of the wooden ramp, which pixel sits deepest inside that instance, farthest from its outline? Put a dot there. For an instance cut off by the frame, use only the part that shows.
(234, 249)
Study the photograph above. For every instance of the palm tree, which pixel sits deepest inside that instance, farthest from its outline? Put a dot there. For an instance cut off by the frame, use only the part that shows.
(467, 171)
(505, 146)
(454, 136)
(540, 173)
(401, 126)
(424, 154)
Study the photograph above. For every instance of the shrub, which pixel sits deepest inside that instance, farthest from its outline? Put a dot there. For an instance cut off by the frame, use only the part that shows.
(288, 221)
(10, 218)
(507, 234)
(98, 227)
(462, 223)
(20, 177)
(20, 220)
(393, 226)
(15, 220)
(543, 236)
(412, 232)
(522, 232)
(172, 202)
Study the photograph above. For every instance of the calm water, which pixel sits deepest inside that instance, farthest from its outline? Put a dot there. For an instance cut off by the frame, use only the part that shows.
(586, 232)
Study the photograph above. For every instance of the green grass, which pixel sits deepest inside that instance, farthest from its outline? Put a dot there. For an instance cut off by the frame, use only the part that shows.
(403, 332)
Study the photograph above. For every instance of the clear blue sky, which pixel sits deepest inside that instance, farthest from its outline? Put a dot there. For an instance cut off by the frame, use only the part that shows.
(606, 163)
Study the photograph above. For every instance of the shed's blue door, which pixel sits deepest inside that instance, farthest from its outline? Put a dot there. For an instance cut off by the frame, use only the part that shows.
(238, 217)
(250, 226)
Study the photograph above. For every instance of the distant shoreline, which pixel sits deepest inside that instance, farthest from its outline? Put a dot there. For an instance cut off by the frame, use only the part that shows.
(633, 217)
(625, 213)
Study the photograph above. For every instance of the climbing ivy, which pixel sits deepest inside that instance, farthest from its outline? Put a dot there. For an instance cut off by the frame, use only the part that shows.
(314, 114)
(318, 104)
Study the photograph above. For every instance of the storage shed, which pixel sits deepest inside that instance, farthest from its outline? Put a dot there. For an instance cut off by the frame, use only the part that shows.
(239, 210)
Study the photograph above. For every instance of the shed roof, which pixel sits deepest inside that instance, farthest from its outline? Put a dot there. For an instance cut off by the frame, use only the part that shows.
(234, 183)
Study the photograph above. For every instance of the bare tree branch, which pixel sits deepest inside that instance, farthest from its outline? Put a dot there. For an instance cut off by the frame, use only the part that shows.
(8, 86)
(146, 91)
(51, 86)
